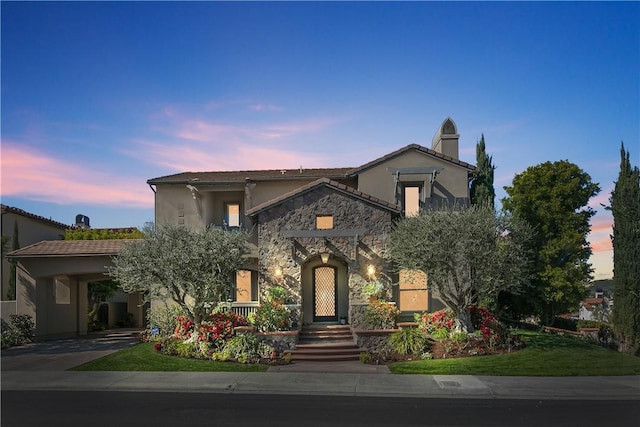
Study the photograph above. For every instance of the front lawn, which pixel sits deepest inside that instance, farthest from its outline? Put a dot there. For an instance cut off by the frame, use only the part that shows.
(544, 355)
(142, 357)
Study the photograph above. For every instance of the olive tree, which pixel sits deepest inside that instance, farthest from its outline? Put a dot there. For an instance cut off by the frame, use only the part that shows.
(467, 253)
(193, 268)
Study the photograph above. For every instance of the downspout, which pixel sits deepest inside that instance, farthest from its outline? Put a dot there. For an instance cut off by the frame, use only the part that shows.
(155, 205)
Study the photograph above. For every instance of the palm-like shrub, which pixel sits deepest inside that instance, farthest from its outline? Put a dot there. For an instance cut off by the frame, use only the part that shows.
(408, 341)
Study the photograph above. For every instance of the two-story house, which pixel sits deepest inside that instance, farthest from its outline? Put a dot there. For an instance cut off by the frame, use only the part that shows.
(322, 233)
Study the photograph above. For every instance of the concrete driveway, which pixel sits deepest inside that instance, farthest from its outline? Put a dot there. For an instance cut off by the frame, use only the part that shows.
(60, 355)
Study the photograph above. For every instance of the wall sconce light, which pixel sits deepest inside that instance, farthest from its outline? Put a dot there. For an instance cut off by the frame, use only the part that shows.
(324, 257)
(278, 272)
(371, 270)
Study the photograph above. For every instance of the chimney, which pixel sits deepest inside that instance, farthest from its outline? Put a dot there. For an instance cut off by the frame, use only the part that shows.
(82, 221)
(446, 139)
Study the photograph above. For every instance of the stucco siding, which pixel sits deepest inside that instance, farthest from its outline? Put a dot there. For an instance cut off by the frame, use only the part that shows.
(29, 231)
(451, 182)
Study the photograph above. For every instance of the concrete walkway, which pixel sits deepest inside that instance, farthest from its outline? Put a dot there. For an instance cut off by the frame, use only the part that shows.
(43, 366)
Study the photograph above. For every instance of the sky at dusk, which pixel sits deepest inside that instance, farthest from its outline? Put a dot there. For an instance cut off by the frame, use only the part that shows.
(99, 97)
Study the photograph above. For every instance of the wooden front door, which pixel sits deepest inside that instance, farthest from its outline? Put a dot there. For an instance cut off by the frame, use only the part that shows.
(325, 295)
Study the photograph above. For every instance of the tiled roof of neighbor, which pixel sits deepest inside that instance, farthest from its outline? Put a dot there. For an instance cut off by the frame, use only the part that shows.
(409, 147)
(255, 175)
(323, 182)
(591, 303)
(71, 248)
(18, 211)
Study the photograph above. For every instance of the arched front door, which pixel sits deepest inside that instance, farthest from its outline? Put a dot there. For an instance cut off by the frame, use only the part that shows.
(325, 294)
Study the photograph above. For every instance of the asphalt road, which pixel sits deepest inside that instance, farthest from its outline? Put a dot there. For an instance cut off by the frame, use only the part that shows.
(108, 409)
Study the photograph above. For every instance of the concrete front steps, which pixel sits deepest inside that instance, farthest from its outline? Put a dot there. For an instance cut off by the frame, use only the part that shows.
(325, 343)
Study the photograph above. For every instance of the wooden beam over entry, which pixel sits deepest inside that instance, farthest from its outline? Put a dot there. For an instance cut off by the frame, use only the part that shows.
(354, 232)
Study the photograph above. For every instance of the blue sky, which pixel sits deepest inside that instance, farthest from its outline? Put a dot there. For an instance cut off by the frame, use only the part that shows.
(99, 97)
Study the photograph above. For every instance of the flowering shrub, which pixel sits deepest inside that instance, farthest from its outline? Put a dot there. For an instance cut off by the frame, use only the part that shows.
(381, 315)
(440, 324)
(216, 330)
(485, 322)
(436, 321)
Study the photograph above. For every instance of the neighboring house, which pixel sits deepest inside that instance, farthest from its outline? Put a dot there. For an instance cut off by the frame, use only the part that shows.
(52, 283)
(322, 233)
(595, 309)
(31, 229)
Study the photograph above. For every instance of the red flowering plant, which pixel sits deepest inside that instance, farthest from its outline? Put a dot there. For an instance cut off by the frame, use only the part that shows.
(184, 327)
(441, 322)
(216, 330)
(219, 328)
(488, 325)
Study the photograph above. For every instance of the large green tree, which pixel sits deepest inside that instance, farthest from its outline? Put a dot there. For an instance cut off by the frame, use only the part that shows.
(467, 253)
(102, 233)
(552, 197)
(194, 268)
(625, 207)
(482, 190)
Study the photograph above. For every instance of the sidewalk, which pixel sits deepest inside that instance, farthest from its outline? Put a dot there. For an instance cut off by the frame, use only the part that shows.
(43, 366)
(336, 384)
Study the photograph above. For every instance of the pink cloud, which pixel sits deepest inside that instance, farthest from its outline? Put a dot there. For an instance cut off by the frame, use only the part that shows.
(263, 107)
(601, 229)
(602, 244)
(601, 199)
(33, 175)
(185, 157)
(192, 143)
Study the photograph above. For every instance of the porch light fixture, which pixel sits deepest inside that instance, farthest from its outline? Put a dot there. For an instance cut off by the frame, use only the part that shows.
(278, 272)
(371, 270)
(324, 257)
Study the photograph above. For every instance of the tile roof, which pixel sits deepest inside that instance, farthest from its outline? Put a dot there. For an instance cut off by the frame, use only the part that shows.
(225, 177)
(319, 183)
(71, 248)
(591, 303)
(10, 209)
(254, 175)
(410, 147)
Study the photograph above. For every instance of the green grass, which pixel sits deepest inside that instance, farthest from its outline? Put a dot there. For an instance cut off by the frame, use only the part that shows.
(544, 355)
(142, 357)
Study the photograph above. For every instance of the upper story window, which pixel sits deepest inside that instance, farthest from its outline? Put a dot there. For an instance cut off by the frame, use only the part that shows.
(411, 199)
(232, 215)
(324, 222)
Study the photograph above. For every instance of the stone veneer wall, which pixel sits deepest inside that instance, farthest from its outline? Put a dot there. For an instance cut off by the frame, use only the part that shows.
(374, 341)
(300, 213)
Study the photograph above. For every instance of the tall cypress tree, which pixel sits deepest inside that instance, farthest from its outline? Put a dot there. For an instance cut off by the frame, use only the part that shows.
(625, 206)
(482, 191)
(11, 292)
